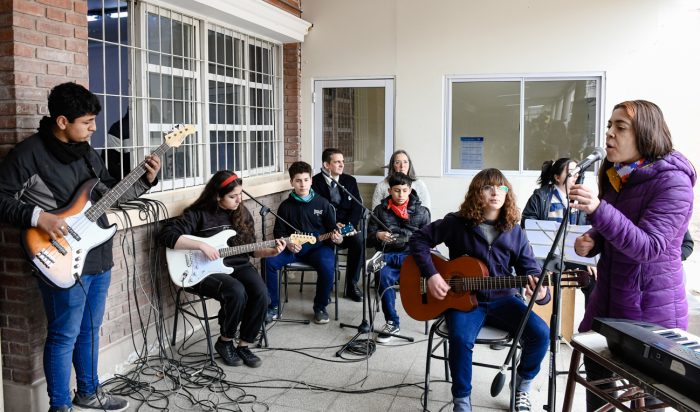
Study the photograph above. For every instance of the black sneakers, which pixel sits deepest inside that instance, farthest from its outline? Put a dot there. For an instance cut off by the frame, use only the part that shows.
(384, 335)
(228, 353)
(321, 316)
(100, 400)
(248, 357)
(354, 293)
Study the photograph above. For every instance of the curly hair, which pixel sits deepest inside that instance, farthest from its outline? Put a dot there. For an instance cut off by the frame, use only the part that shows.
(208, 200)
(473, 208)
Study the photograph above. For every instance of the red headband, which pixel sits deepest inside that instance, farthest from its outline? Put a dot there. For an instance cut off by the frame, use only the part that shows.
(228, 180)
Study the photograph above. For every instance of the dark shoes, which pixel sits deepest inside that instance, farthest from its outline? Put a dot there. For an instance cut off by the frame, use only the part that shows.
(321, 316)
(228, 353)
(233, 356)
(271, 314)
(354, 293)
(248, 357)
(100, 400)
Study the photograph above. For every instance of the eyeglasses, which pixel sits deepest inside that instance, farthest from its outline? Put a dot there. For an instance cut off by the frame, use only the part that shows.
(494, 189)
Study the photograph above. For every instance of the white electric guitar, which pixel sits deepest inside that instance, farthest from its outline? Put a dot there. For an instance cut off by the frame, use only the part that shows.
(189, 267)
(60, 262)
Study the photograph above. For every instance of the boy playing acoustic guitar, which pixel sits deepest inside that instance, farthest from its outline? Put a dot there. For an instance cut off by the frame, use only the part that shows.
(486, 227)
(403, 214)
(309, 213)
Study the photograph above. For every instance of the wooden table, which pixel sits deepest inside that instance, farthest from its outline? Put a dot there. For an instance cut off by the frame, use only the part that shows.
(631, 383)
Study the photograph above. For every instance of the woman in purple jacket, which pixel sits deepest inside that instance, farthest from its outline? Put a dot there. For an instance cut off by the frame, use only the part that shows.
(486, 227)
(644, 203)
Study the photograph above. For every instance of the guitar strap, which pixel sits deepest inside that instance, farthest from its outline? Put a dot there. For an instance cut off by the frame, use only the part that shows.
(100, 188)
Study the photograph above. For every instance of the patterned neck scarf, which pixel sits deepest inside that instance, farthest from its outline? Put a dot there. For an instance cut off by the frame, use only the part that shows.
(400, 210)
(620, 173)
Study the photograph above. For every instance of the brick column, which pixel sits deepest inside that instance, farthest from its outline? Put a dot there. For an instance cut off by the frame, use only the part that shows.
(292, 100)
(42, 43)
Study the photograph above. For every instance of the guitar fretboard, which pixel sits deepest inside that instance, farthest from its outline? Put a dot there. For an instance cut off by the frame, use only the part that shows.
(459, 284)
(111, 197)
(237, 250)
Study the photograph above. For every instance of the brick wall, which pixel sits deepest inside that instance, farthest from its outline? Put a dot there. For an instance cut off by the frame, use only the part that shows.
(44, 43)
(292, 101)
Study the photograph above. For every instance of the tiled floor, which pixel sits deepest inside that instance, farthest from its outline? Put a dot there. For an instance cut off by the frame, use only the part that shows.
(314, 379)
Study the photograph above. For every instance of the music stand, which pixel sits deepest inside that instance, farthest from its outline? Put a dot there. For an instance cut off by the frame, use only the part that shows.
(541, 234)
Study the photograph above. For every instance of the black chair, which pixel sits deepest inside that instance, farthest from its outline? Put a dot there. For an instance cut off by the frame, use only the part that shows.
(181, 307)
(283, 278)
(488, 335)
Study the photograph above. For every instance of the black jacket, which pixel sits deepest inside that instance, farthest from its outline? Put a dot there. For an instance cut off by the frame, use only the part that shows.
(315, 217)
(205, 224)
(537, 207)
(348, 211)
(32, 176)
(418, 216)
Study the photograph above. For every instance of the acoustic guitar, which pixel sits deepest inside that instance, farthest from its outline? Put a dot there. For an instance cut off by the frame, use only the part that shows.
(465, 275)
(60, 262)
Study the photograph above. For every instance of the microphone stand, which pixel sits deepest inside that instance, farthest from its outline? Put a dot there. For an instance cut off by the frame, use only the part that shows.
(364, 326)
(264, 210)
(550, 264)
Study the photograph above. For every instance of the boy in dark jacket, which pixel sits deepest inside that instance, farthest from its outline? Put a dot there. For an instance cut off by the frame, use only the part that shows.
(309, 213)
(403, 214)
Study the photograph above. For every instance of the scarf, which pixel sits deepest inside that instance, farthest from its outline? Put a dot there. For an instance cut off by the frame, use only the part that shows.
(620, 173)
(65, 152)
(305, 199)
(399, 210)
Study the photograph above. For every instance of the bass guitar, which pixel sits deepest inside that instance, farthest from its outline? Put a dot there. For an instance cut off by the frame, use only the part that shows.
(189, 267)
(464, 275)
(60, 262)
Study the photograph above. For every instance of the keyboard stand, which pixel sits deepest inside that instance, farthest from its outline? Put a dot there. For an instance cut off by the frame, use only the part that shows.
(631, 383)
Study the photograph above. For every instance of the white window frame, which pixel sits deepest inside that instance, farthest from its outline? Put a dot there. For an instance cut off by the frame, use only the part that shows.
(389, 110)
(522, 78)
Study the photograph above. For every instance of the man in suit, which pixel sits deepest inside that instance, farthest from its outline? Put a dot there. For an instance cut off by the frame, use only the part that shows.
(347, 212)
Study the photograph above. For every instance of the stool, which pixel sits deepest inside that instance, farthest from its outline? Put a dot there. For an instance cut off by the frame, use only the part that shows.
(179, 307)
(204, 317)
(488, 335)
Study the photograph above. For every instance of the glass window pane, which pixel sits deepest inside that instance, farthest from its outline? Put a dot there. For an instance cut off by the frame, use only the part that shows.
(485, 125)
(560, 120)
(353, 121)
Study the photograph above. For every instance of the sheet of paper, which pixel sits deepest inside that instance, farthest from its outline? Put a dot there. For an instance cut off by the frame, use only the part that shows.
(541, 234)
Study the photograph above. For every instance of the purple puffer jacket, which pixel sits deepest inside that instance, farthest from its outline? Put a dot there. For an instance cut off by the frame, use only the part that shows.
(638, 233)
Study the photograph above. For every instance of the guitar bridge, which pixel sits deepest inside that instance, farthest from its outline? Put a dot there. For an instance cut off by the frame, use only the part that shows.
(44, 258)
(423, 286)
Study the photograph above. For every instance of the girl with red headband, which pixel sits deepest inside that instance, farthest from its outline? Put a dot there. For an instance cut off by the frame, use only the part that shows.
(242, 294)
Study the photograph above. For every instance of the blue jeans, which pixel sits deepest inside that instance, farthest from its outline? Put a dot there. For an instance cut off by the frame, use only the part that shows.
(73, 336)
(388, 277)
(321, 258)
(504, 313)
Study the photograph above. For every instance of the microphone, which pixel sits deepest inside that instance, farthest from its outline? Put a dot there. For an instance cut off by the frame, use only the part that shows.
(598, 154)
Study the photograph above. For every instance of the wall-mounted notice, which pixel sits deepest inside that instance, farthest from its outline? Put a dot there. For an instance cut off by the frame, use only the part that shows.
(471, 152)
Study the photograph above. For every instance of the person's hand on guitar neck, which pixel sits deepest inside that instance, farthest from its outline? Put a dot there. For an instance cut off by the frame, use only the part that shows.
(54, 225)
(152, 166)
(532, 282)
(437, 287)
